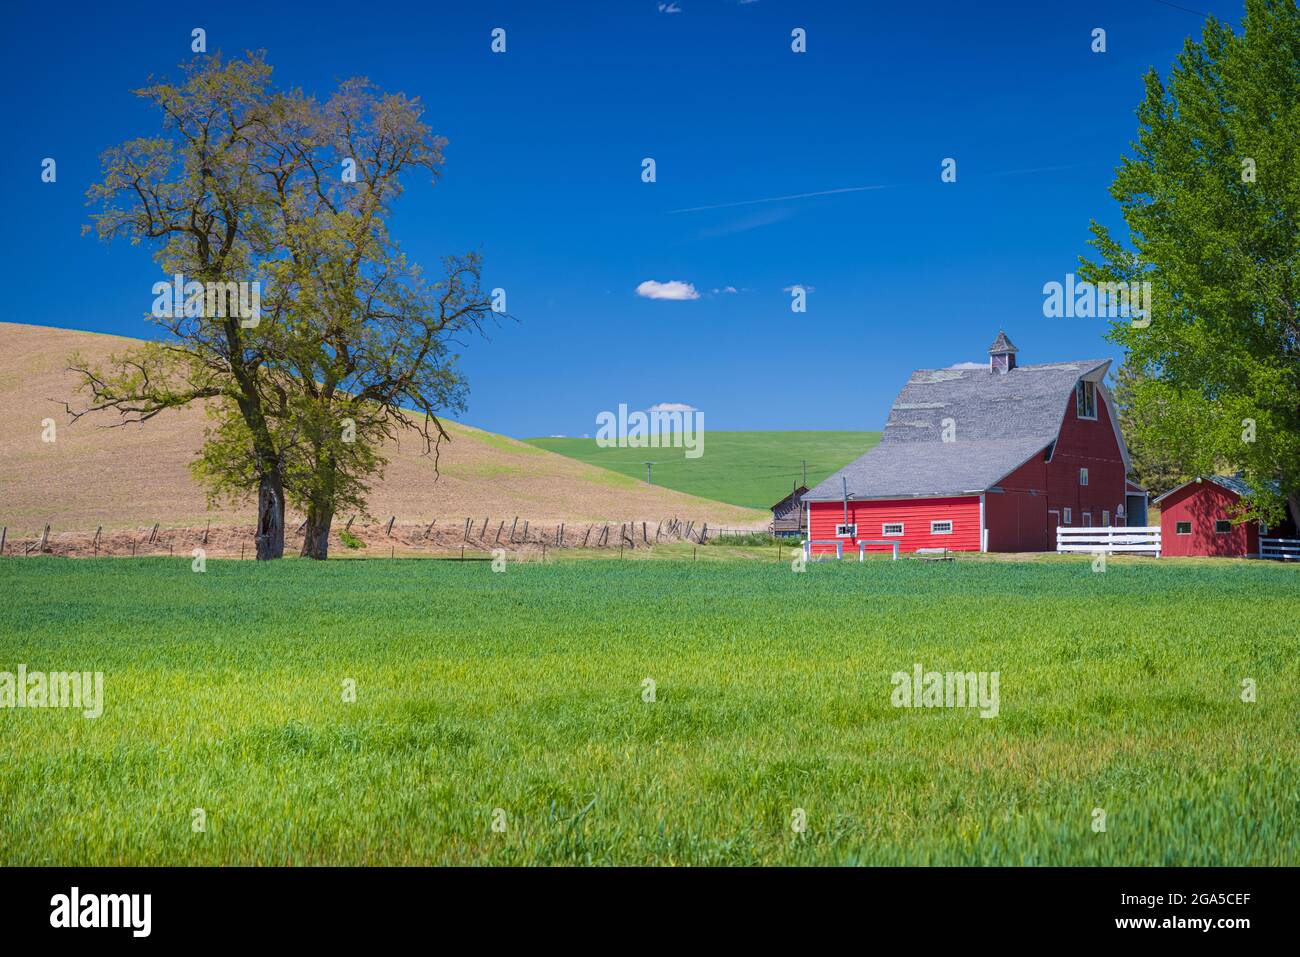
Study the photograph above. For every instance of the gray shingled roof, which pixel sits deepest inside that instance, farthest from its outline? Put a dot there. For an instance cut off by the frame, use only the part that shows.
(1000, 422)
(1233, 483)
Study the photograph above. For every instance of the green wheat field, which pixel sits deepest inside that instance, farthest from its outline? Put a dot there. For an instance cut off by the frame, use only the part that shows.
(752, 469)
(518, 699)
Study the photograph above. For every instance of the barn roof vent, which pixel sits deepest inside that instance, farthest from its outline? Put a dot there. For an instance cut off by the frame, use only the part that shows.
(1002, 354)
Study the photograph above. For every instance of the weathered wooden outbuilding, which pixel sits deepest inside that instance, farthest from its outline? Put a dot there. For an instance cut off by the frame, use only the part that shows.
(788, 514)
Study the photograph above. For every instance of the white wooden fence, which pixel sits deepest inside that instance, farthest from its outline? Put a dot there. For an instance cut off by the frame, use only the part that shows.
(1109, 539)
(839, 547)
(1279, 548)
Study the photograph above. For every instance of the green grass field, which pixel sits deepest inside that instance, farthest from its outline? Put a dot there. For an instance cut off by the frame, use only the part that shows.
(523, 691)
(753, 469)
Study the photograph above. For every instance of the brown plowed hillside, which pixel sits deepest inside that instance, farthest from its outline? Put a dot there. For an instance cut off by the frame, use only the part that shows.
(116, 477)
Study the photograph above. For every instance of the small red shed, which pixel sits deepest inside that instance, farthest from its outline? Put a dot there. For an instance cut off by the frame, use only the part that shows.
(1196, 519)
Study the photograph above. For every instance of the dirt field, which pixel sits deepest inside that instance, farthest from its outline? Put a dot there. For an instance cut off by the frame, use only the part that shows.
(129, 478)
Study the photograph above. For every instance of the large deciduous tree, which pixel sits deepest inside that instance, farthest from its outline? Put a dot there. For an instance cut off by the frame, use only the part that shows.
(248, 184)
(1211, 200)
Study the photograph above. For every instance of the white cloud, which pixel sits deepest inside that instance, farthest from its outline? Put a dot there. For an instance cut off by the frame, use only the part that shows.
(969, 365)
(800, 285)
(672, 407)
(669, 8)
(729, 290)
(674, 289)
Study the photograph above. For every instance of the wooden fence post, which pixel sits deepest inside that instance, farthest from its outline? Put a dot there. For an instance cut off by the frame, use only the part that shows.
(467, 524)
(559, 536)
(644, 539)
(45, 538)
(499, 527)
(525, 531)
(585, 537)
(512, 529)
(4, 533)
(389, 531)
(484, 531)
(348, 526)
(205, 532)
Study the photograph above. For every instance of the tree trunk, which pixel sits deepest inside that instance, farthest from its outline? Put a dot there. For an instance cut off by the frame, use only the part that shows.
(270, 518)
(316, 533)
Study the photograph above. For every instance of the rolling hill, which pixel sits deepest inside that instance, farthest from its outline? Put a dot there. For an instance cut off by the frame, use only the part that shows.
(94, 475)
(749, 469)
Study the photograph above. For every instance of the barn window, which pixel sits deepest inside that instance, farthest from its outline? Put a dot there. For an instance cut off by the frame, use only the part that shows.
(1183, 528)
(941, 528)
(1105, 518)
(1087, 519)
(846, 531)
(1083, 476)
(1068, 516)
(1222, 526)
(891, 528)
(1085, 400)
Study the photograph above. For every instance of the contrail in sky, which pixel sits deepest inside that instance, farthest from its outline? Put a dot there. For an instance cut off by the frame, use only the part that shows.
(778, 199)
(862, 189)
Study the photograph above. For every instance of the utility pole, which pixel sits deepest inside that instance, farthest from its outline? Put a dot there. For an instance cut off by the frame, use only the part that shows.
(804, 462)
(647, 472)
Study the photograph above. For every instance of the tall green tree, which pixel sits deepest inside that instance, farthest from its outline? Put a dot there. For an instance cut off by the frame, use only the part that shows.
(194, 194)
(353, 344)
(1211, 200)
(1153, 464)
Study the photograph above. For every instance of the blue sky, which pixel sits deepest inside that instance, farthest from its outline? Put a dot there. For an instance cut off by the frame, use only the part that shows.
(543, 177)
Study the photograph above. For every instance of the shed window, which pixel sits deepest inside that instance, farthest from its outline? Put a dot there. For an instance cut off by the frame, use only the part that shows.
(891, 528)
(941, 528)
(846, 531)
(1085, 400)
(1067, 516)
(1083, 476)
(1183, 528)
(1222, 527)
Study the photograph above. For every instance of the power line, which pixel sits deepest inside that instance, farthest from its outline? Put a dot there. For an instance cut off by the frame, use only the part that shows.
(1199, 13)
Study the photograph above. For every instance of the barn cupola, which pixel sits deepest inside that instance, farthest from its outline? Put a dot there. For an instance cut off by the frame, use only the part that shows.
(1002, 354)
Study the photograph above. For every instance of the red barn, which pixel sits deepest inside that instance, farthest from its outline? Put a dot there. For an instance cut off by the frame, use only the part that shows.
(1196, 519)
(976, 459)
